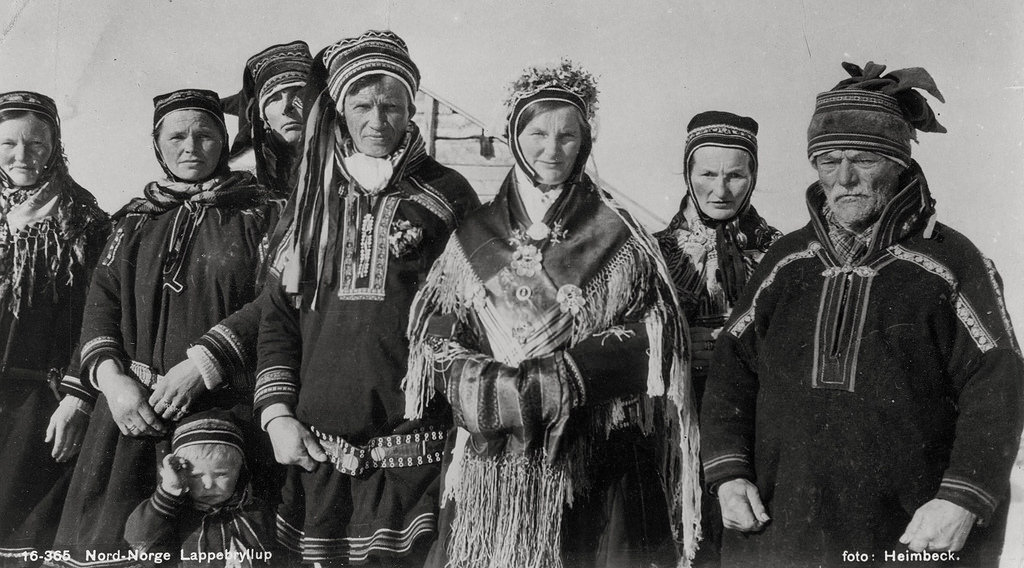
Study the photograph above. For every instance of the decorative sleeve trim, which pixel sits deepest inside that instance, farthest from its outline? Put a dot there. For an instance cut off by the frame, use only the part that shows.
(968, 495)
(743, 321)
(207, 366)
(227, 355)
(96, 350)
(723, 467)
(165, 503)
(75, 389)
(277, 384)
(433, 201)
(965, 312)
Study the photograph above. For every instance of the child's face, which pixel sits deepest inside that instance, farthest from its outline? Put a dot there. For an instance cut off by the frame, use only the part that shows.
(212, 476)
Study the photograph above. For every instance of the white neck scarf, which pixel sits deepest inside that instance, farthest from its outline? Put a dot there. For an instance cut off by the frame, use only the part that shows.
(372, 174)
(535, 201)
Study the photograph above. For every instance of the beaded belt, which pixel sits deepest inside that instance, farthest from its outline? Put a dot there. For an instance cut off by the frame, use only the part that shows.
(144, 374)
(402, 450)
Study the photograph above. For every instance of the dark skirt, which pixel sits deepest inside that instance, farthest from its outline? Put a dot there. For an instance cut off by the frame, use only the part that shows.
(114, 474)
(32, 484)
(386, 517)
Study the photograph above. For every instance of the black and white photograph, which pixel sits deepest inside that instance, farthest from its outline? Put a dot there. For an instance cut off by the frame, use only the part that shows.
(480, 284)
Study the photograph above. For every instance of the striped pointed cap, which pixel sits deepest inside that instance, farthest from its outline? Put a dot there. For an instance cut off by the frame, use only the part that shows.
(374, 52)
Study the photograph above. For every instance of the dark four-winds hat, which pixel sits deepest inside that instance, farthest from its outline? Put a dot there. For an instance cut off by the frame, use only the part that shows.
(873, 112)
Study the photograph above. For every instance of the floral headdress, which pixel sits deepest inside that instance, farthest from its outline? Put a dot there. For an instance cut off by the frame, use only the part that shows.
(565, 83)
(566, 76)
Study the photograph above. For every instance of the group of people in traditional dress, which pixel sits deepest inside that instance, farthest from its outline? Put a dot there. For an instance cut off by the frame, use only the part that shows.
(345, 359)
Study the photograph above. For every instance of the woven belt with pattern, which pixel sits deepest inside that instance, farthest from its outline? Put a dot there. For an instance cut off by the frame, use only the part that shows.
(144, 374)
(401, 450)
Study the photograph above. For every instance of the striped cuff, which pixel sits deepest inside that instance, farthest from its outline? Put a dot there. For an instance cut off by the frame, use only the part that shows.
(968, 495)
(722, 467)
(207, 366)
(95, 351)
(226, 352)
(167, 504)
(277, 384)
(72, 387)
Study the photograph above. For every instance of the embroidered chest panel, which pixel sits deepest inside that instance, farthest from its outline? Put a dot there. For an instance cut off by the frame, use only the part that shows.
(371, 234)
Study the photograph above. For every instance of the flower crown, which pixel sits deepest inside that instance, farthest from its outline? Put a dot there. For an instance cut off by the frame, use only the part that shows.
(565, 75)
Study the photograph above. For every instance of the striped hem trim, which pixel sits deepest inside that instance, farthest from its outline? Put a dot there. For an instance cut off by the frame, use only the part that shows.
(388, 542)
(743, 321)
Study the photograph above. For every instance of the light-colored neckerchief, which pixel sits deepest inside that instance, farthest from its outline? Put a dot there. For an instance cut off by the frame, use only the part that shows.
(535, 201)
(372, 174)
(38, 206)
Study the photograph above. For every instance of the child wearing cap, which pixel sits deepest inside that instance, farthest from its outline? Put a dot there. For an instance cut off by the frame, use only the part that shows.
(203, 512)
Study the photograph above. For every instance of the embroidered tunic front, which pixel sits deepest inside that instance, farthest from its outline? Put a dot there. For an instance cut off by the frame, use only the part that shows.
(851, 394)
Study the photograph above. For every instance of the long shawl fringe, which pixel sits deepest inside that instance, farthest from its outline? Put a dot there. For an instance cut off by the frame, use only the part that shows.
(60, 239)
(510, 508)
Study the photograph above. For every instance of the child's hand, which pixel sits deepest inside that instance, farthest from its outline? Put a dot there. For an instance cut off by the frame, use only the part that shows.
(172, 474)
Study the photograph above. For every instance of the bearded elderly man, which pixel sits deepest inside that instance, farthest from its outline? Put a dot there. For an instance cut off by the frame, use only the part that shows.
(369, 215)
(864, 401)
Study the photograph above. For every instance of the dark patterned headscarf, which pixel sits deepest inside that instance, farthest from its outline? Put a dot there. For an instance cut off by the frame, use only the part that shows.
(63, 236)
(745, 229)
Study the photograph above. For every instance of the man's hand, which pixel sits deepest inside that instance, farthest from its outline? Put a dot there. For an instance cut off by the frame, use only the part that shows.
(938, 526)
(126, 398)
(294, 444)
(176, 391)
(66, 429)
(742, 509)
(703, 341)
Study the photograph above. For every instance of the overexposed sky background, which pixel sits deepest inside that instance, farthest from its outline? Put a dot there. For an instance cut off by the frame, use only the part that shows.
(659, 62)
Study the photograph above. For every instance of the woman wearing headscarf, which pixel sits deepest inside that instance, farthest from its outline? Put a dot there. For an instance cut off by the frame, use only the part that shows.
(716, 239)
(180, 259)
(712, 245)
(51, 234)
(269, 110)
(550, 325)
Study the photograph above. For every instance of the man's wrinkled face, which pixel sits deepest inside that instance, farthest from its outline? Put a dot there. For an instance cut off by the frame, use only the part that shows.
(858, 185)
(377, 117)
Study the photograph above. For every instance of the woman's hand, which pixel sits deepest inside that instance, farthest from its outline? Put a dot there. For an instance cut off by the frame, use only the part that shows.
(175, 392)
(172, 474)
(67, 429)
(703, 341)
(294, 444)
(128, 403)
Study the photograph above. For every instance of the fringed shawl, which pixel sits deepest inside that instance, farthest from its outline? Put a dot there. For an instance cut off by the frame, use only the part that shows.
(693, 252)
(60, 238)
(608, 271)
